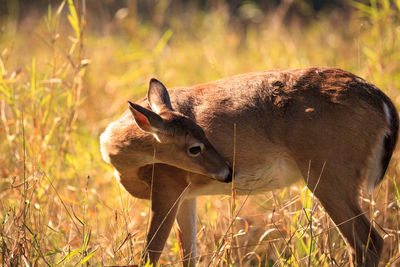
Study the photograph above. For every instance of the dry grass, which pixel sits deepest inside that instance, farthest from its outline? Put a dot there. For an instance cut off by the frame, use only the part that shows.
(61, 83)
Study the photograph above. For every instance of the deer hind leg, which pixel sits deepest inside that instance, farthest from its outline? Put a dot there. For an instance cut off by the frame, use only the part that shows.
(186, 220)
(343, 208)
(169, 186)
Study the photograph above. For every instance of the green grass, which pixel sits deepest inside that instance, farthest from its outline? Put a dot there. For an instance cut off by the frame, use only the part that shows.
(61, 83)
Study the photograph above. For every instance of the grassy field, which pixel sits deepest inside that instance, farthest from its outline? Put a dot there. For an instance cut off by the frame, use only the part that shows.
(62, 81)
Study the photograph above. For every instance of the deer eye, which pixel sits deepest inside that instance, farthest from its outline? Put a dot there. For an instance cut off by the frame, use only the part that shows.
(195, 149)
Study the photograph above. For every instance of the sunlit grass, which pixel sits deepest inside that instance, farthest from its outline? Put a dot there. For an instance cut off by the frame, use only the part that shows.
(61, 83)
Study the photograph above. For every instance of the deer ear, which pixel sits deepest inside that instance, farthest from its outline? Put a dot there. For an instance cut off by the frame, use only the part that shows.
(146, 119)
(158, 97)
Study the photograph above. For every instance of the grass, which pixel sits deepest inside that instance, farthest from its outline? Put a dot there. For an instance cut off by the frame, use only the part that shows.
(62, 82)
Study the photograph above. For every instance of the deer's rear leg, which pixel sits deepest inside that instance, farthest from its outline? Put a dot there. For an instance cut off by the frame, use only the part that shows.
(343, 207)
(168, 188)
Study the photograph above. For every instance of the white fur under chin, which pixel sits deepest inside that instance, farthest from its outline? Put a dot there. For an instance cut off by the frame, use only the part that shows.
(275, 173)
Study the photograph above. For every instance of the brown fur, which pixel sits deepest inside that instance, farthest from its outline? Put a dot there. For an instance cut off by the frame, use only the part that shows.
(325, 122)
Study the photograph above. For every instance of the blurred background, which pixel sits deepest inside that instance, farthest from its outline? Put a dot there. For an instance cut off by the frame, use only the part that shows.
(67, 69)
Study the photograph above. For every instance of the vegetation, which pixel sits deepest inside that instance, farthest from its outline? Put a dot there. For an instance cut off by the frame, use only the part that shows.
(62, 81)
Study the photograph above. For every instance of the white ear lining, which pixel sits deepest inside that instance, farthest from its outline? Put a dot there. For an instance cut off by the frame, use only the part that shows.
(156, 137)
(155, 108)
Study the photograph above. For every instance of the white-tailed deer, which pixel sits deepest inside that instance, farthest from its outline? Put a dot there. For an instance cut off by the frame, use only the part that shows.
(290, 124)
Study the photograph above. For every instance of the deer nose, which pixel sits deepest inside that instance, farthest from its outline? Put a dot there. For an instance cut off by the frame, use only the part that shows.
(225, 175)
(229, 178)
